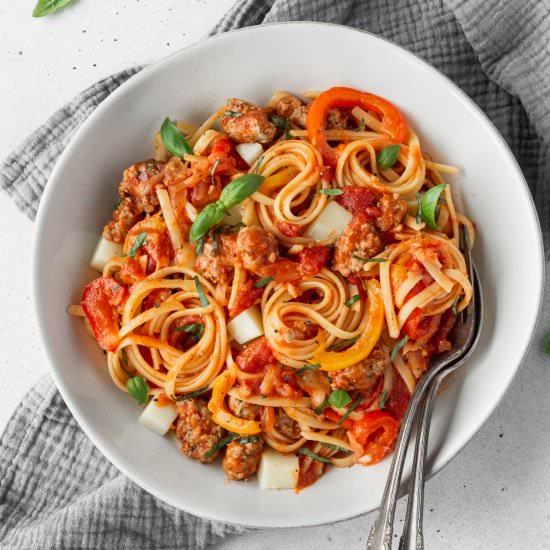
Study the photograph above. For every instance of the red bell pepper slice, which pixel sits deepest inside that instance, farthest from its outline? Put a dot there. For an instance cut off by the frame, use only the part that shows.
(376, 432)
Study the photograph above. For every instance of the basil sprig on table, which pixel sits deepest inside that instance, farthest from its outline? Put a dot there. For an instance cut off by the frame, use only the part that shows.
(138, 388)
(386, 157)
(428, 206)
(45, 7)
(233, 193)
(174, 140)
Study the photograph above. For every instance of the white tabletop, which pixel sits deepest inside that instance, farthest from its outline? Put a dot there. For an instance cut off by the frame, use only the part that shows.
(493, 495)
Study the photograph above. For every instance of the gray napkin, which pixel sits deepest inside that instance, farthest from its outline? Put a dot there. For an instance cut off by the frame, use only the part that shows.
(56, 489)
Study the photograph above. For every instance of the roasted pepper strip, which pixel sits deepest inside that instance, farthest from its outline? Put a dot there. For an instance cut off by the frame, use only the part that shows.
(332, 360)
(221, 416)
(393, 122)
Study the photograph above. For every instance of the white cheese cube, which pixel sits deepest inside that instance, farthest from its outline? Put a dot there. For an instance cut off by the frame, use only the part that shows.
(249, 152)
(330, 223)
(104, 251)
(247, 325)
(158, 418)
(278, 471)
(233, 216)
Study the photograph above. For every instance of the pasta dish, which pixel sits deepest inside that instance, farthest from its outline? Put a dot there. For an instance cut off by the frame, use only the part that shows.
(274, 282)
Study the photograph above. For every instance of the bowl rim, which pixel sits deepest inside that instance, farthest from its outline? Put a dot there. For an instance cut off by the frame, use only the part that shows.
(134, 81)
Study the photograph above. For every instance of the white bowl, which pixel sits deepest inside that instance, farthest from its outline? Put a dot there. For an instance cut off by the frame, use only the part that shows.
(190, 84)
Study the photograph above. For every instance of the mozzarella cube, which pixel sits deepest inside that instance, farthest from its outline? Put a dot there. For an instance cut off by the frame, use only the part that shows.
(233, 216)
(247, 325)
(278, 471)
(330, 223)
(249, 152)
(158, 418)
(104, 251)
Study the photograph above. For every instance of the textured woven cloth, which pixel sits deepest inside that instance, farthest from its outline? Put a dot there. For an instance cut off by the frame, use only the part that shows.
(56, 489)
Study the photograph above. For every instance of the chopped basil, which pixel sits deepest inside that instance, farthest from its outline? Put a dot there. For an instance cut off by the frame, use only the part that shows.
(352, 300)
(248, 439)
(455, 304)
(200, 292)
(200, 246)
(234, 114)
(350, 410)
(397, 347)
(118, 203)
(370, 260)
(383, 397)
(430, 206)
(387, 156)
(192, 394)
(547, 344)
(343, 343)
(174, 140)
(196, 330)
(213, 171)
(335, 447)
(283, 124)
(361, 127)
(124, 356)
(45, 7)
(308, 367)
(258, 163)
(138, 388)
(221, 443)
(263, 282)
(419, 211)
(307, 452)
(140, 241)
(321, 407)
(331, 192)
(339, 398)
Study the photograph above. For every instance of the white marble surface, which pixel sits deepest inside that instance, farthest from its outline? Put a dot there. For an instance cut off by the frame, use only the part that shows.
(493, 495)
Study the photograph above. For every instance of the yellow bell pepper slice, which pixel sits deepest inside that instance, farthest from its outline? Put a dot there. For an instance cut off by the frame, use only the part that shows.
(332, 361)
(221, 416)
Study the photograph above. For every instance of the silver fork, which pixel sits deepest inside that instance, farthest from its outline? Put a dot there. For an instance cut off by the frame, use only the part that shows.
(465, 335)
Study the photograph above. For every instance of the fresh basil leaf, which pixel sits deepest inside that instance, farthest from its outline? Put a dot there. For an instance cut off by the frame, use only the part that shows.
(397, 347)
(234, 114)
(547, 344)
(430, 201)
(221, 443)
(320, 408)
(138, 389)
(370, 260)
(387, 156)
(200, 292)
(283, 124)
(339, 398)
(335, 447)
(192, 394)
(212, 214)
(350, 410)
(352, 300)
(140, 241)
(263, 282)
(382, 399)
(308, 367)
(196, 330)
(331, 192)
(419, 211)
(343, 343)
(239, 189)
(174, 139)
(213, 171)
(45, 7)
(307, 452)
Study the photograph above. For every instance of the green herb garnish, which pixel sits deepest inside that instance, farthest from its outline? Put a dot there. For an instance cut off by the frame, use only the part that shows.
(350, 410)
(258, 163)
(397, 347)
(124, 356)
(233, 193)
(352, 300)
(192, 394)
(263, 282)
(370, 260)
(283, 124)
(196, 330)
(200, 292)
(339, 398)
(361, 126)
(138, 389)
(331, 192)
(429, 206)
(174, 140)
(335, 447)
(234, 114)
(383, 397)
(213, 171)
(45, 7)
(248, 439)
(221, 443)
(308, 367)
(455, 304)
(321, 407)
(419, 211)
(140, 241)
(307, 452)
(343, 343)
(200, 246)
(387, 156)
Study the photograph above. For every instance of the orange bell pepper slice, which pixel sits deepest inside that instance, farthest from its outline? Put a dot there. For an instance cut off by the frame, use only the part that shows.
(393, 122)
(332, 360)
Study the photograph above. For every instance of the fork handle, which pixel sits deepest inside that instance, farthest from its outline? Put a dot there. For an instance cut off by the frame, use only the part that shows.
(413, 537)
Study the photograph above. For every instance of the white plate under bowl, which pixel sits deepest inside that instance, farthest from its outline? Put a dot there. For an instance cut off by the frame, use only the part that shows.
(190, 85)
